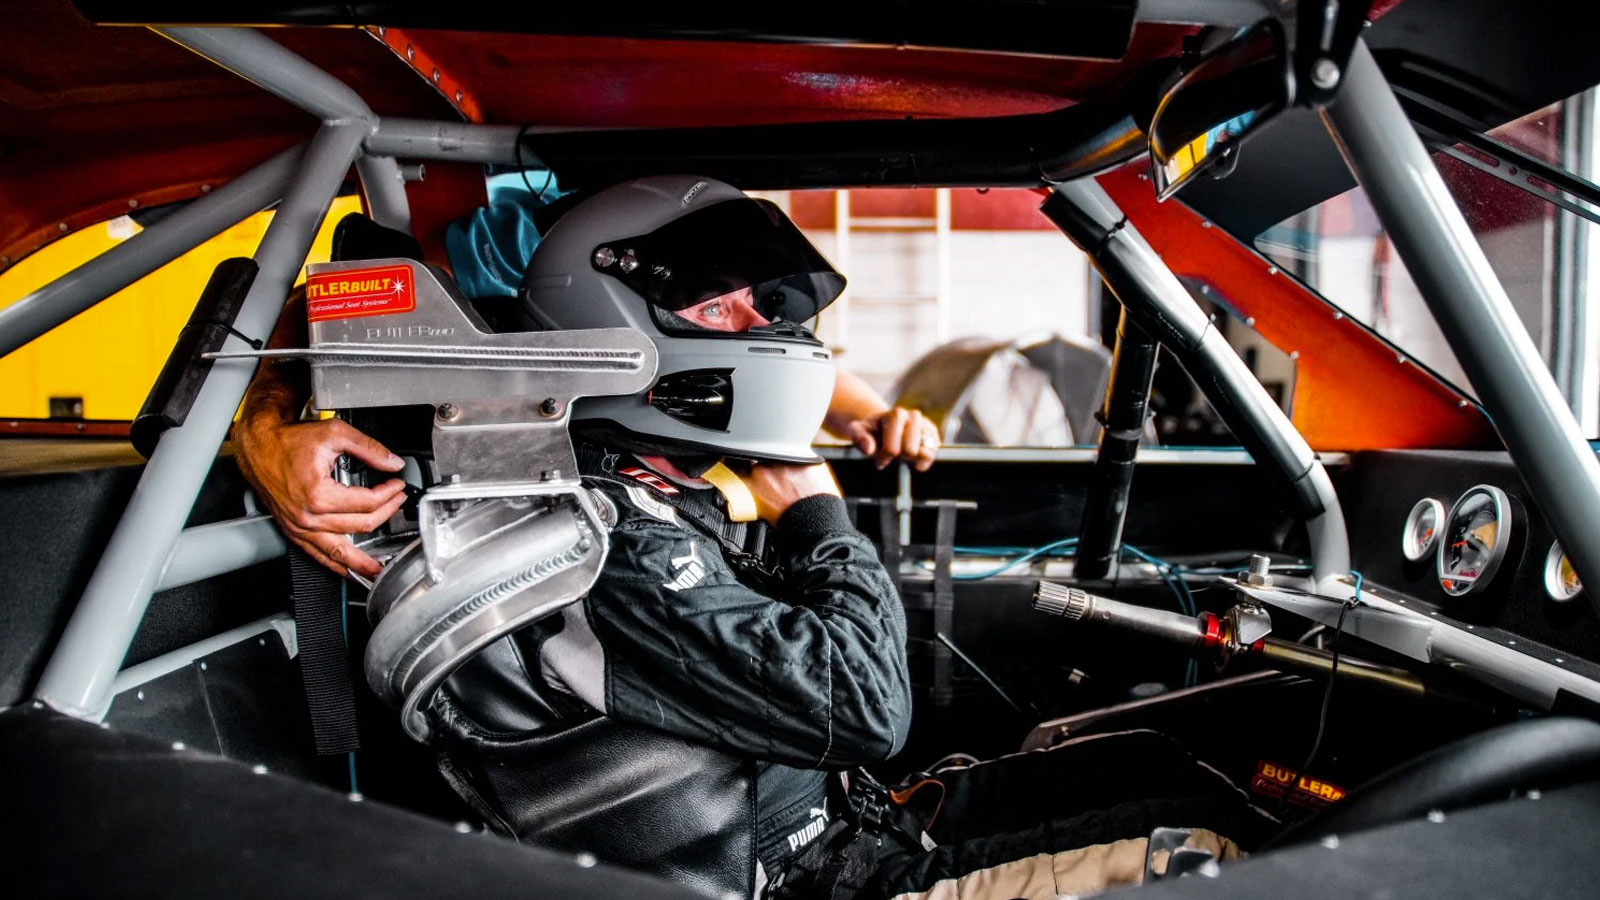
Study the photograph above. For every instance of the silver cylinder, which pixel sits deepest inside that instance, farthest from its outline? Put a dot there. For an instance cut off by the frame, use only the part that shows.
(1081, 606)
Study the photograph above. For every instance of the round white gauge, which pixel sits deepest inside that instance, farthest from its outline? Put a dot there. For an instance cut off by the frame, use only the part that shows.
(1560, 578)
(1422, 529)
(1473, 541)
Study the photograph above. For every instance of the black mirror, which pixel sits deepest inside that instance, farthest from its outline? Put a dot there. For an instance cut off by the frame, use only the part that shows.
(1228, 96)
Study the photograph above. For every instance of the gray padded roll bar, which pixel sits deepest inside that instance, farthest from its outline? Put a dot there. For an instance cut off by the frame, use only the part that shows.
(1149, 290)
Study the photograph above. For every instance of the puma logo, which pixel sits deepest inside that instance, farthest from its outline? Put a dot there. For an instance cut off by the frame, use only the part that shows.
(819, 821)
(690, 570)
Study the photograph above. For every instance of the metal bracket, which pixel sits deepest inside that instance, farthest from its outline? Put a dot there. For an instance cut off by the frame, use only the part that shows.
(1322, 35)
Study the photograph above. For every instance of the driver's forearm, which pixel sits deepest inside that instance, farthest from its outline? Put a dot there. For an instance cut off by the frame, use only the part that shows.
(853, 400)
(281, 387)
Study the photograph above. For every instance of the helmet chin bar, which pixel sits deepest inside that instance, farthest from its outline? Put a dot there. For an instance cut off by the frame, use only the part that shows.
(508, 535)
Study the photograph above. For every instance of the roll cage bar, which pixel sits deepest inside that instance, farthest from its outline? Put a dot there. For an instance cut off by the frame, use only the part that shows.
(1060, 150)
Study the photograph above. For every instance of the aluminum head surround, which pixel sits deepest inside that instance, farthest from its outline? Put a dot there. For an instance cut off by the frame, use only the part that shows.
(508, 535)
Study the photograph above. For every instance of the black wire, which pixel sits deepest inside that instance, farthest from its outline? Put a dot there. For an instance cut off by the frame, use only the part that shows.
(1327, 701)
(549, 173)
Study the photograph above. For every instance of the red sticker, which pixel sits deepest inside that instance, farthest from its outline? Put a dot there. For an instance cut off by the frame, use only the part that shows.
(353, 293)
(646, 477)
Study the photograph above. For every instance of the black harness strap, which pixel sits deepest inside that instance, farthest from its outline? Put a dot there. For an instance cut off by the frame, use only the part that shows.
(943, 605)
(746, 545)
(324, 659)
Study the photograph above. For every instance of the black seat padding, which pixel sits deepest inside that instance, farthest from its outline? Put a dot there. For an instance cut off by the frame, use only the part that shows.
(630, 795)
(358, 237)
(1488, 766)
(102, 812)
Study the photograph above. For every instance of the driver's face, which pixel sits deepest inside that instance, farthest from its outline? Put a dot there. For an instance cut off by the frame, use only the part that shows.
(735, 311)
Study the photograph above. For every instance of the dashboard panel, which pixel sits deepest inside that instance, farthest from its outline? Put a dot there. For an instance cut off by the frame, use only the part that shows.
(1492, 533)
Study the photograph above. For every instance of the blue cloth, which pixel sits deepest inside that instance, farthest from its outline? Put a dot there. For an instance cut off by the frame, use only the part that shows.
(489, 249)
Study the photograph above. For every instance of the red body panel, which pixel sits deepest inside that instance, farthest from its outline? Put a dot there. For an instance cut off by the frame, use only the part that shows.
(1351, 391)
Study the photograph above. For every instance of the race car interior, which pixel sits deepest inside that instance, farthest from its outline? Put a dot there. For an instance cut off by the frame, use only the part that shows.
(1360, 601)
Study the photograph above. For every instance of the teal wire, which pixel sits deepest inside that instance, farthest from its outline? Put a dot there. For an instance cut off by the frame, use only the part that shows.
(1030, 555)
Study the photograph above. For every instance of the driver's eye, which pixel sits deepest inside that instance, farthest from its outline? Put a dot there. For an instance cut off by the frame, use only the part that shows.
(712, 311)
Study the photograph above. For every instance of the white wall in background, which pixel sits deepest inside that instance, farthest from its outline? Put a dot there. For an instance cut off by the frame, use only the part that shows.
(1003, 284)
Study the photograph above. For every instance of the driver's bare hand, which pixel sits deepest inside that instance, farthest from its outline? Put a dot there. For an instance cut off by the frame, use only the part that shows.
(778, 486)
(290, 465)
(897, 433)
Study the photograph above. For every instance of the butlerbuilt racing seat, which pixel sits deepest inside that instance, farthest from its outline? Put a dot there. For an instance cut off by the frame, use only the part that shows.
(506, 537)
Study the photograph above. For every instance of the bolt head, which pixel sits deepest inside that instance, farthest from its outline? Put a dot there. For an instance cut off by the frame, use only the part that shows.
(629, 262)
(604, 257)
(1325, 74)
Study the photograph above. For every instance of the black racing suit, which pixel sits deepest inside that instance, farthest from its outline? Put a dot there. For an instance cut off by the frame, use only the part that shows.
(798, 666)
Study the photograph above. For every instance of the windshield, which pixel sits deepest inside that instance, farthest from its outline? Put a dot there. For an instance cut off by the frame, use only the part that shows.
(1539, 251)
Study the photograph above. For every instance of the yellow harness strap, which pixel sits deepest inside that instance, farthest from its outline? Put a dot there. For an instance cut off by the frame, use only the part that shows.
(741, 503)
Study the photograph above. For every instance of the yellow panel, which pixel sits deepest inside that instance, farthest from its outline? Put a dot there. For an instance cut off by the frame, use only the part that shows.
(110, 355)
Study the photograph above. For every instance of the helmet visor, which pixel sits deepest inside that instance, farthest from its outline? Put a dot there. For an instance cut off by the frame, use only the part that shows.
(720, 249)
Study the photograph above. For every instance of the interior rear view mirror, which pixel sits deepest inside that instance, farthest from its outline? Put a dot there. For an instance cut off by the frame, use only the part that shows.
(1225, 98)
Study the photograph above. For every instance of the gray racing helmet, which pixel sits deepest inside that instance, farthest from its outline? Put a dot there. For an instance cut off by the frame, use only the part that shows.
(634, 255)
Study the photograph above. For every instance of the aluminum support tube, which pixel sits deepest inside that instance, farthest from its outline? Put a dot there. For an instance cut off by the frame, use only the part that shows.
(262, 61)
(210, 550)
(78, 678)
(138, 256)
(1077, 605)
(450, 141)
(1147, 288)
(384, 188)
(1472, 309)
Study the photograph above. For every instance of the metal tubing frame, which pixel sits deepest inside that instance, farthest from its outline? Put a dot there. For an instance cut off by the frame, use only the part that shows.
(1471, 307)
(210, 550)
(1144, 284)
(384, 187)
(259, 59)
(81, 671)
(451, 141)
(167, 663)
(152, 248)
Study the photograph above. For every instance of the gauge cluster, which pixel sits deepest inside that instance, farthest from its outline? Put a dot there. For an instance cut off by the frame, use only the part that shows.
(1468, 544)
(1457, 532)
